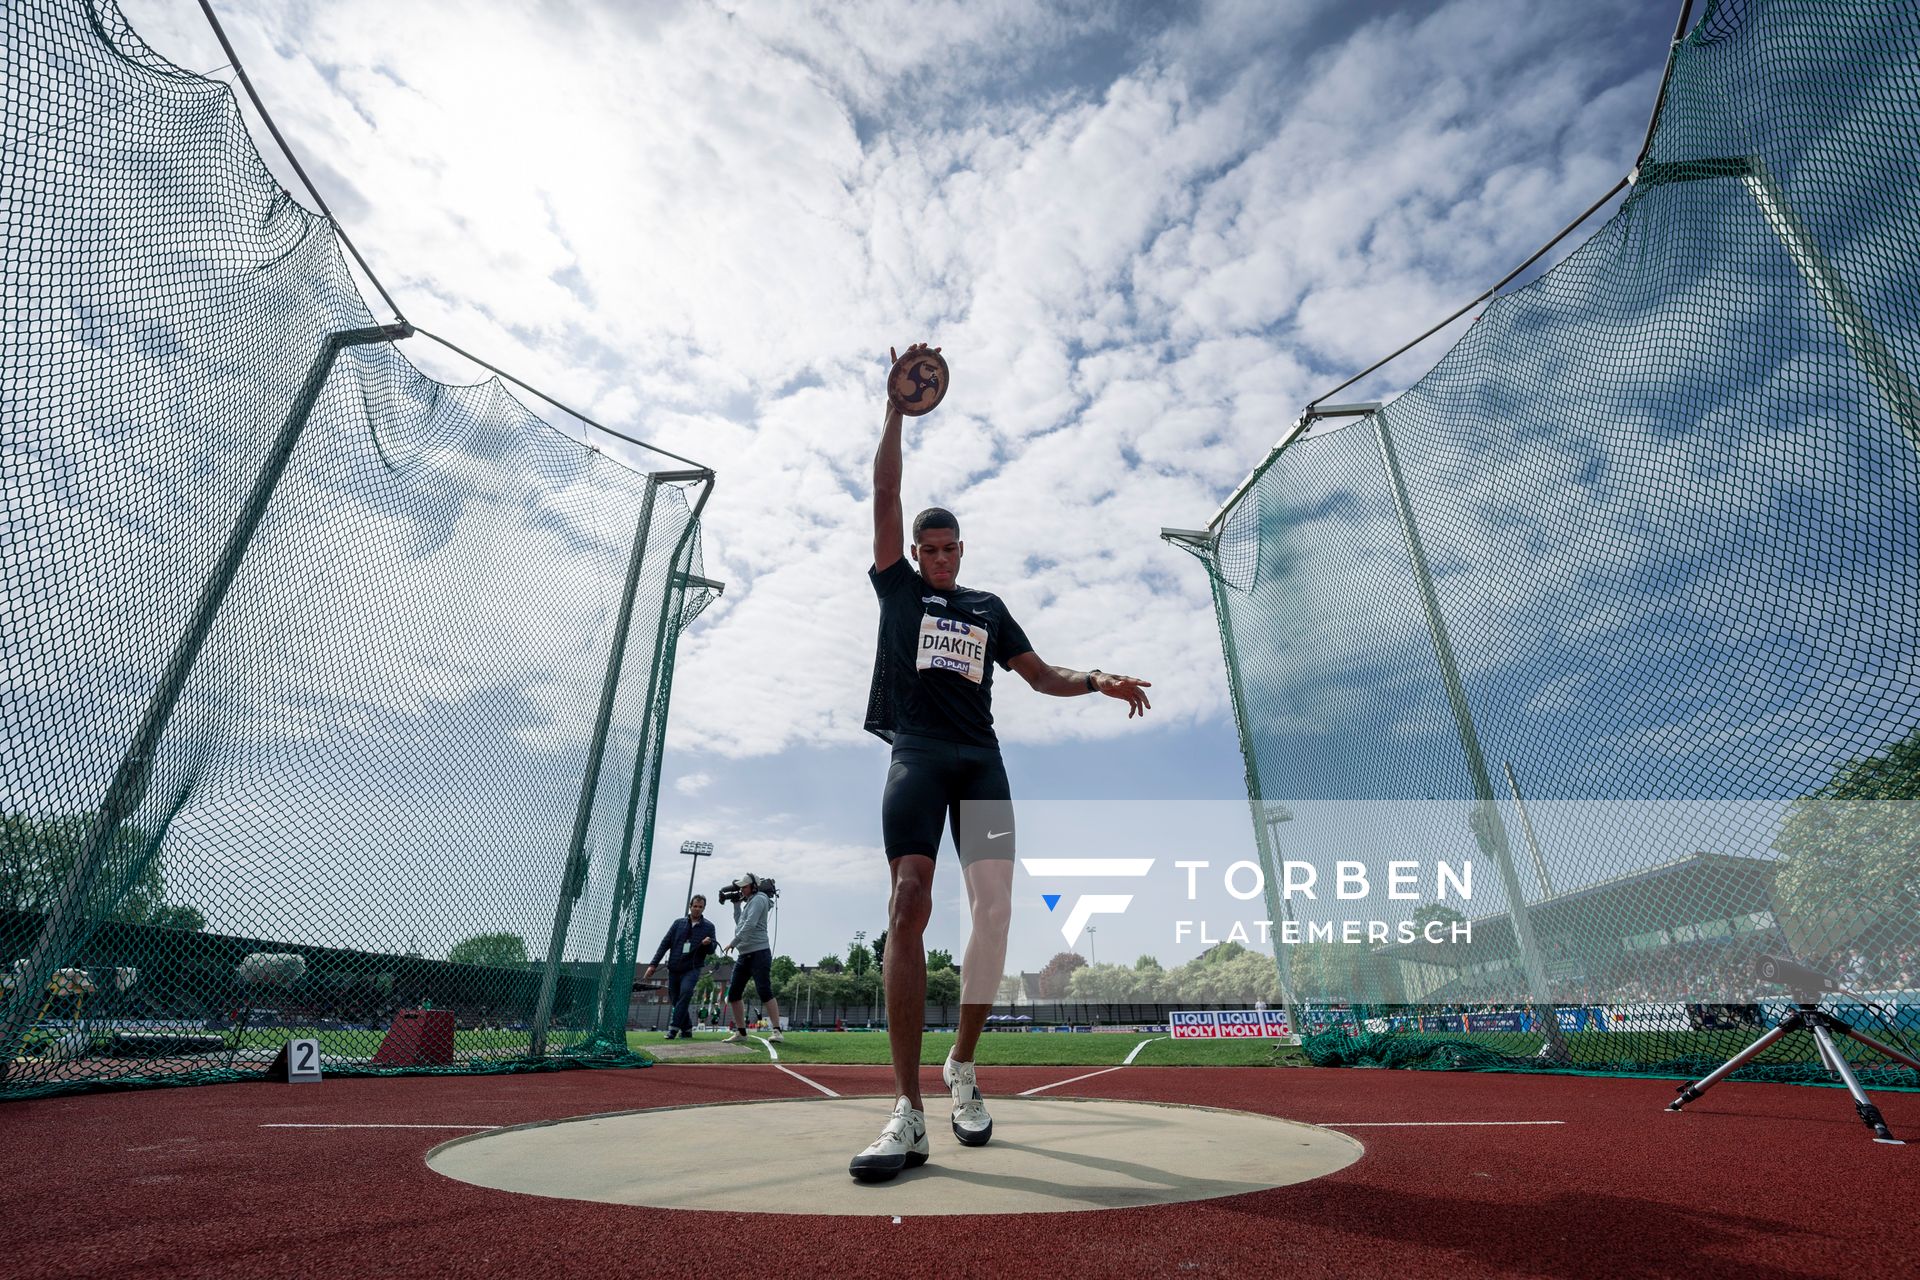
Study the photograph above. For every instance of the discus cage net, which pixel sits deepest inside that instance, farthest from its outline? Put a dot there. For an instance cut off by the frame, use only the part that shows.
(1622, 599)
(334, 695)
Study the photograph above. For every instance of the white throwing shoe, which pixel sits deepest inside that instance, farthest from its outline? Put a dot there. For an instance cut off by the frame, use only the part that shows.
(901, 1145)
(971, 1123)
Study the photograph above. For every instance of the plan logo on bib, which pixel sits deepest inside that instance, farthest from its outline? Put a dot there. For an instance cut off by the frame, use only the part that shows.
(1087, 906)
(948, 644)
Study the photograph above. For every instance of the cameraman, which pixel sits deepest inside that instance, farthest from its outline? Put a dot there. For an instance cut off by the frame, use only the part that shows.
(754, 959)
(689, 942)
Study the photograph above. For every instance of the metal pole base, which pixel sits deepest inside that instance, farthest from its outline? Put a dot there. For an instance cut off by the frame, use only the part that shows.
(1820, 1026)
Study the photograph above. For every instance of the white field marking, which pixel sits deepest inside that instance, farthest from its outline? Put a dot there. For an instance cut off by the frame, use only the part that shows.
(1028, 1093)
(768, 1046)
(379, 1126)
(1137, 1048)
(1422, 1124)
(803, 1080)
(896, 1219)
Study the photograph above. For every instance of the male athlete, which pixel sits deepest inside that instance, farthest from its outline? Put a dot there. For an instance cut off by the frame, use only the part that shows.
(932, 699)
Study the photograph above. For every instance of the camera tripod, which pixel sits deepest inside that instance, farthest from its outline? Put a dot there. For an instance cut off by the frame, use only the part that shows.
(1808, 1016)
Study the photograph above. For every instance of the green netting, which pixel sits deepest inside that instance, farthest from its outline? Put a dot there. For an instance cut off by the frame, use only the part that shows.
(309, 658)
(1622, 599)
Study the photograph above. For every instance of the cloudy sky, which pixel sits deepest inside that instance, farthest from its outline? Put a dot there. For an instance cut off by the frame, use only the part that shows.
(1145, 237)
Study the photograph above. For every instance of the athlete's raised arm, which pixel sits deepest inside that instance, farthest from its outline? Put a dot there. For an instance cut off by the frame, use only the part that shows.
(889, 528)
(1065, 682)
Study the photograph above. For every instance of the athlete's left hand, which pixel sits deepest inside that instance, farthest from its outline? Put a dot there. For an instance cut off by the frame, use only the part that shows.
(1127, 689)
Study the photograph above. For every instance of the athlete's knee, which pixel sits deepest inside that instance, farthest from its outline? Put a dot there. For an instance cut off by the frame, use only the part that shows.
(992, 915)
(911, 908)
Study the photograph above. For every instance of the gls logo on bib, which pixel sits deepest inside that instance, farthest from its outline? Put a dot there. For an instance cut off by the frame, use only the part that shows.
(947, 644)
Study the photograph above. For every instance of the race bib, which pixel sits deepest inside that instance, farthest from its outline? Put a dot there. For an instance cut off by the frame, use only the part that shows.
(947, 644)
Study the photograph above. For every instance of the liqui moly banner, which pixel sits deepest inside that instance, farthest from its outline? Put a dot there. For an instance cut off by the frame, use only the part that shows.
(1228, 1024)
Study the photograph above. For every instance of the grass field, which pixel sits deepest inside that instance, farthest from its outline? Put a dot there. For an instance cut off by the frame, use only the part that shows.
(1603, 1049)
(1594, 1051)
(1001, 1048)
(1597, 1051)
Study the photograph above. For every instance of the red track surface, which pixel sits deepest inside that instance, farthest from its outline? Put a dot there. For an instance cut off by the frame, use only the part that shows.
(1758, 1181)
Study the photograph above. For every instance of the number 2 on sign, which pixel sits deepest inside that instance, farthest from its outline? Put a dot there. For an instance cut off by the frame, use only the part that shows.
(303, 1062)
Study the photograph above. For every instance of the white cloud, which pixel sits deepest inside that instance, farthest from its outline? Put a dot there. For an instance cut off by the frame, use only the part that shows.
(692, 784)
(708, 224)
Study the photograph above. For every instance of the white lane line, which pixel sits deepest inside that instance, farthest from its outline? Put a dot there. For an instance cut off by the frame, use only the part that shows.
(768, 1046)
(379, 1126)
(1028, 1093)
(1137, 1048)
(1423, 1124)
(803, 1080)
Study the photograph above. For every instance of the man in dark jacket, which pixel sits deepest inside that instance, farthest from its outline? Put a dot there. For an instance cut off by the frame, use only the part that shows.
(686, 947)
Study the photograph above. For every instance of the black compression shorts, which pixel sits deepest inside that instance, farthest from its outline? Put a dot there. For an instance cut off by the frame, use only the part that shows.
(757, 966)
(932, 782)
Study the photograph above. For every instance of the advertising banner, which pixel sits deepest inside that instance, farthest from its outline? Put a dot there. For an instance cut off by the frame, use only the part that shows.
(1228, 1024)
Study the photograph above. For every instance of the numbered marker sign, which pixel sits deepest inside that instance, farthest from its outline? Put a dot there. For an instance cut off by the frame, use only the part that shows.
(303, 1062)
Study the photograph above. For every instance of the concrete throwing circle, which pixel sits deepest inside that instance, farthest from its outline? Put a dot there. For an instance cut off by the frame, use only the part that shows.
(790, 1156)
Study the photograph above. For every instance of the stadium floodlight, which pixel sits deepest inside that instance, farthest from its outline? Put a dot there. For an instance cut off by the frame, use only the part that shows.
(695, 849)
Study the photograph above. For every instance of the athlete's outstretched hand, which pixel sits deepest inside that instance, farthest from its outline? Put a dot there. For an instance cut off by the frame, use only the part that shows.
(1127, 689)
(893, 357)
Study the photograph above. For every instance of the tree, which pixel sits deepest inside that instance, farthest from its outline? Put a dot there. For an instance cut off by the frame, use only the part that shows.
(1226, 974)
(783, 970)
(500, 950)
(1114, 983)
(1847, 868)
(820, 989)
(1054, 975)
(859, 959)
(830, 964)
(865, 987)
(175, 917)
(943, 987)
(937, 959)
(36, 855)
(880, 950)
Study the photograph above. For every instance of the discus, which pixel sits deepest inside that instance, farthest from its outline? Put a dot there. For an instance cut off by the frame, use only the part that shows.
(917, 382)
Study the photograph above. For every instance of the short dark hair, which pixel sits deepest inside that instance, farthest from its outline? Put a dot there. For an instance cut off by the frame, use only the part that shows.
(934, 518)
(698, 897)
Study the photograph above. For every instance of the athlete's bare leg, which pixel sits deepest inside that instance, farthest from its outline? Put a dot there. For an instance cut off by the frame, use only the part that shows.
(905, 969)
(990, 897)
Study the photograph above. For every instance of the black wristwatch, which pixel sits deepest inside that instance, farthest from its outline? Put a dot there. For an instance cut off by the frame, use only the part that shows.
(1090, 675)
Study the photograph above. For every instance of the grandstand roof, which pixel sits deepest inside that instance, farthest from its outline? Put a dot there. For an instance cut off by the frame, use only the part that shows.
(1695, 889)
